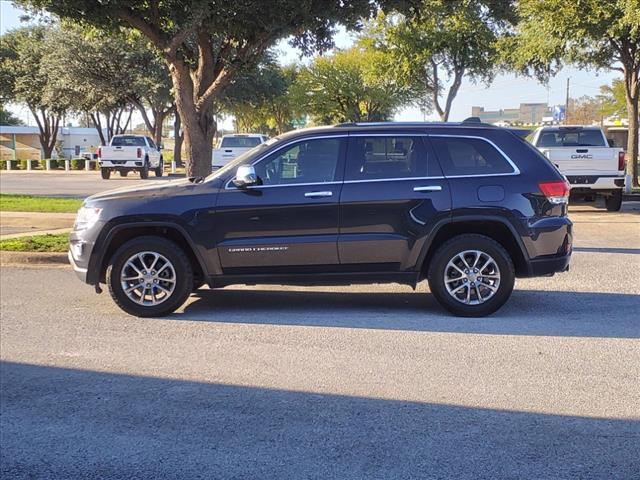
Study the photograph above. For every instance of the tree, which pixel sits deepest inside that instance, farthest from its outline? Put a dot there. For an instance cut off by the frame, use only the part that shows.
(441, 42)
(8, 118)
(585, 111)
(106, 75)
(260, 99)
(25, 80)
(352, 85)
(613, 98)
(589, 33)
(205, 43)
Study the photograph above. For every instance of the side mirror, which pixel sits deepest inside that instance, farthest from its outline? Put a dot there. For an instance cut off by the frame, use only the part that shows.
(245, 176)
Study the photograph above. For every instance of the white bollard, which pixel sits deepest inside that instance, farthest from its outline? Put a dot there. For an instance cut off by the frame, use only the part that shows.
(173, 167)
(9, 164)
(48, 164)
(28, 165)
(87, 165)
(67, 165)
(627, 184)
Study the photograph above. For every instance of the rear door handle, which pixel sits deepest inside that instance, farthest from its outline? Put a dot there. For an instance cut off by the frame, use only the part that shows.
(428, 188)
(318, 194)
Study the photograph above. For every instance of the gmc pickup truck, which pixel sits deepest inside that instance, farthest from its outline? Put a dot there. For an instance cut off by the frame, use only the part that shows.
(583, 155)
(128, 153)
(232, 146)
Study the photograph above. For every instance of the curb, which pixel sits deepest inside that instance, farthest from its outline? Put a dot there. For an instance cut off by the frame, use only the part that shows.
(33, 258)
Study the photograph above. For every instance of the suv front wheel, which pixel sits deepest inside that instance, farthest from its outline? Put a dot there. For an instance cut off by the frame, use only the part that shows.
(471, 275)
(149, 276)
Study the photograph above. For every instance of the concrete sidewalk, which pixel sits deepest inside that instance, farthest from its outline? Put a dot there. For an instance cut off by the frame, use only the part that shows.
(24, 224)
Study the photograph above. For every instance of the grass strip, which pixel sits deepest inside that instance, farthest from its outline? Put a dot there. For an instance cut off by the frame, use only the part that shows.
(33, 203)
(37, 243)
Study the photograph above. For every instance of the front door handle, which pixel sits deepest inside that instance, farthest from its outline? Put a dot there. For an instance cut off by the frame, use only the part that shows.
(428, 188)
(318, 194)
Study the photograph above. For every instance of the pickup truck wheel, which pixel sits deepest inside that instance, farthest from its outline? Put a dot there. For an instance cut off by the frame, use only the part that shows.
(105, 173)
(614, 202)
(144, 171)
(149, 276)
(471, 275)
(159, 170)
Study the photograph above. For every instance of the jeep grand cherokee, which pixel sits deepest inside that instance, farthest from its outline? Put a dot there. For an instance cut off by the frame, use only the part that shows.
(467, 206)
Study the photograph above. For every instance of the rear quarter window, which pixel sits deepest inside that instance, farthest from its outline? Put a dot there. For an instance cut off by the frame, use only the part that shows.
(469, 156)
(240, 142)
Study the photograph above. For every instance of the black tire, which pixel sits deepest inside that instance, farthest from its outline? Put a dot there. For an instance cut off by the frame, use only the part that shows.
(105, 173)
(447, 252)
(159, 170)
(124, 173)
(144, 171)
(614, 202)
(173, 253)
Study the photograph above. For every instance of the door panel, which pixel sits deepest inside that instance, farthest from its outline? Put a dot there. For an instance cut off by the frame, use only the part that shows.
(291, 220)
(384, 221)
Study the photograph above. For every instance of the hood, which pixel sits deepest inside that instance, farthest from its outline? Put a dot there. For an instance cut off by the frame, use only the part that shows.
(167, 188)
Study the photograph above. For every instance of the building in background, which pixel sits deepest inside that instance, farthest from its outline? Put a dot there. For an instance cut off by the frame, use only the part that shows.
(525, 114)
(23, 143)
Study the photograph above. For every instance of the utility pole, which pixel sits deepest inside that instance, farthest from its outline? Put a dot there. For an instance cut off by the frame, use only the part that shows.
(566, 104)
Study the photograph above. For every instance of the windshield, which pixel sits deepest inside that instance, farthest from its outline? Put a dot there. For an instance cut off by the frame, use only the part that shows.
(240, 142)
(127, 142)
(242, 159)
(571, 138)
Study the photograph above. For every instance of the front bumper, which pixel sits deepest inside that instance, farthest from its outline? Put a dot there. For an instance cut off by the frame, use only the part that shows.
(80, 271)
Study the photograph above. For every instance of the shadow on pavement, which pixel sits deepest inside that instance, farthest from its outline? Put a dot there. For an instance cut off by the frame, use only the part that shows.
(630, 251)
(528, 312)
(61, 423)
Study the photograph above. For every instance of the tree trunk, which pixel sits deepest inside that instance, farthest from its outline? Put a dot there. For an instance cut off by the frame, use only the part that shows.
(632, 94)
(95, 118)
(48, 130)
(178, 137)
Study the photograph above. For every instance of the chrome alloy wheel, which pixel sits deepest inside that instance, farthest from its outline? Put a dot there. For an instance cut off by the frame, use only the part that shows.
(148, 278)
(472, 277)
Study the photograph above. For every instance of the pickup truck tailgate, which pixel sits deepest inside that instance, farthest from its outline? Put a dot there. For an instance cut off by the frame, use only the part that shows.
(580, 159)
(119, 153)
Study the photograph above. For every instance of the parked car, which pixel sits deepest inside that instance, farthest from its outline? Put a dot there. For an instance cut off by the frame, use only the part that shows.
(127, 153)
(467, 206)
(232, 146)
(583, 155)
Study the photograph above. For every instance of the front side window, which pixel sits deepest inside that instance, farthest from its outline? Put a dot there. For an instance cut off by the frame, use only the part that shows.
(151, 143)
(380, 157)
(309, 161)
(469, 156)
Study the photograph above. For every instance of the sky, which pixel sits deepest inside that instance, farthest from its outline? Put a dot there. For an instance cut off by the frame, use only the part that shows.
(506, 91)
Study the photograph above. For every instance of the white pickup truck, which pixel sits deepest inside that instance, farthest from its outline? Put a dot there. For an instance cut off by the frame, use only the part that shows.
(582, 154)
(232, 146)
(127, 153)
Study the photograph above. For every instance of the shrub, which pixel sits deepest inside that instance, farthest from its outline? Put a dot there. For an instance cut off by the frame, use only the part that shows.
(77, 164)
(23, 164)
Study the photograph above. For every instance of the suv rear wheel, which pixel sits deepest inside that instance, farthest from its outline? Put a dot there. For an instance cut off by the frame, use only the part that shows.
(471, 275)
(149, 276)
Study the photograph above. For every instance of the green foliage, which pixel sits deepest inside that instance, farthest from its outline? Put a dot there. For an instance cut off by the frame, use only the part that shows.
(351, 86)
(37, 243)
(8, 118)
(613, 99)
(77, 164)
(32, 203)
(23, 164)
(440, 42)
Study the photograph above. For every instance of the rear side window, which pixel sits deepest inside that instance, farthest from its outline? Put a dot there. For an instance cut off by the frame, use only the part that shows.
(127, 142)
(469, 156)
(566, 137)
(379, 157)
(240, 142)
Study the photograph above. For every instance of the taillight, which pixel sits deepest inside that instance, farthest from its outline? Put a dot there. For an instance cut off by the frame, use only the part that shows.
(139, 153)
(99, 152)
(621, 162)
(556, 191)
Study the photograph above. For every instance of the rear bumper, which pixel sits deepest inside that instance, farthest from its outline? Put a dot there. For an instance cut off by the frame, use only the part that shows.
(121, 163)
(548, 266)
(595, 182)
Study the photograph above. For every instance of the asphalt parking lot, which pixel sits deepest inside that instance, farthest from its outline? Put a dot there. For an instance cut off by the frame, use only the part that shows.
(352, 382)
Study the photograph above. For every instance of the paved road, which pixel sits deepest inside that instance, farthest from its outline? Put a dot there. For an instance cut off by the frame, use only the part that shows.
(67, 184)
(361, 382)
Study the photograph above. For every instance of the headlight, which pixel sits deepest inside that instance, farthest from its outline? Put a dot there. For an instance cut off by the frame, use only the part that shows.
(86, 218)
